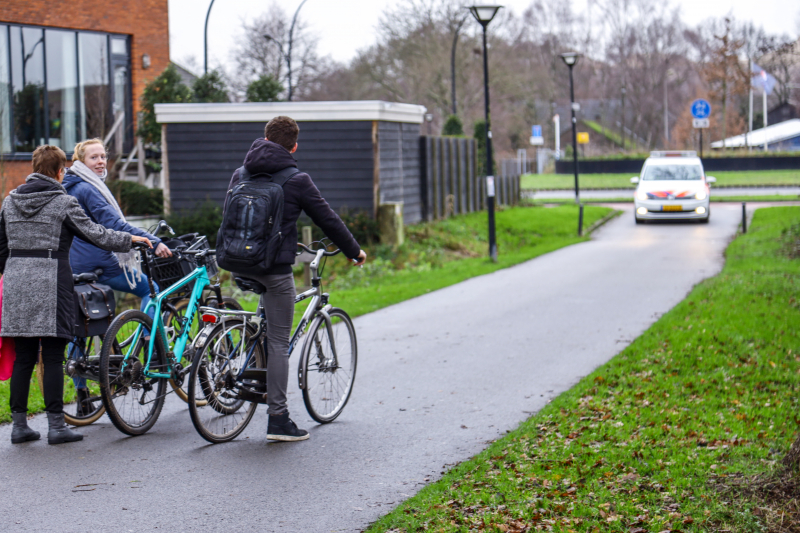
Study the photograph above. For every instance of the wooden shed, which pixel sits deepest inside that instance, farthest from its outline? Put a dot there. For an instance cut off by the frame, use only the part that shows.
(359, 153)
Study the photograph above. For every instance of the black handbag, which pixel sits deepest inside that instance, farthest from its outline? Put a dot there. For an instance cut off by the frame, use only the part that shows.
(95, 308)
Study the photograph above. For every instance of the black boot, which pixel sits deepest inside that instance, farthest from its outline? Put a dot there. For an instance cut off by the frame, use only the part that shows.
(20, 432)
(281, 427)
(59, 433)
(85, 406)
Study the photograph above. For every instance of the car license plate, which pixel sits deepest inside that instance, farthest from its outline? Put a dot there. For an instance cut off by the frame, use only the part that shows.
(672, 208)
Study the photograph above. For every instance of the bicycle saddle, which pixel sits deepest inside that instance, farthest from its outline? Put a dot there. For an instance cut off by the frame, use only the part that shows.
(86, 277)
(247, 284)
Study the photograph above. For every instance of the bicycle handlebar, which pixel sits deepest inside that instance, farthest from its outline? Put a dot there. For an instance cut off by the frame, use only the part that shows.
(309, 250)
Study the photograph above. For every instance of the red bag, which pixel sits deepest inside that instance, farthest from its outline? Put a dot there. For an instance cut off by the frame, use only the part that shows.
(8, 353)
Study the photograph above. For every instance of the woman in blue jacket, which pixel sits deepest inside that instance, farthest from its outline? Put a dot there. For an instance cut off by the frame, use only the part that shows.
(85, 180)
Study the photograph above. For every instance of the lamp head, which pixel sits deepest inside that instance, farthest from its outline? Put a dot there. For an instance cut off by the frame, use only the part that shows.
(623, 91)
(268, 37)
(570, 58)
(484, 13)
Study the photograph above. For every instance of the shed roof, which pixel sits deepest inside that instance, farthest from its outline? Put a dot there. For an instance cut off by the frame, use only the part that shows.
(300, 111)
(771, 134)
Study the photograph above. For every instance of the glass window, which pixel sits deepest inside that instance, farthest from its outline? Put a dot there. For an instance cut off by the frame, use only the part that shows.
(58, 86)
(119, 47)
(62, 88)
(95, 94)
(673, 172)
(5, 92)
(27, 81)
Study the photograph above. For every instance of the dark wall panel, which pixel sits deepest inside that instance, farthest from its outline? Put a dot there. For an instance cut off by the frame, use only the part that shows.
(337, 155)
(400, 167)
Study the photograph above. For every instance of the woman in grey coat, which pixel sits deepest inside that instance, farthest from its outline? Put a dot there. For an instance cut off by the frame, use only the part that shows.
(38, 221)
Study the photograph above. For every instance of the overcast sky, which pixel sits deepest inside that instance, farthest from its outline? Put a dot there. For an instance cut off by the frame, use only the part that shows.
(345, 26)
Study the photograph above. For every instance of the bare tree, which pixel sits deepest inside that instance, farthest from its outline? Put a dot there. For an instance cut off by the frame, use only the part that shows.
(255, 55)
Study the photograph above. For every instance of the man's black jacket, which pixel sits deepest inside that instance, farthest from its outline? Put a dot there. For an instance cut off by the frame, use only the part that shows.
(300, 194)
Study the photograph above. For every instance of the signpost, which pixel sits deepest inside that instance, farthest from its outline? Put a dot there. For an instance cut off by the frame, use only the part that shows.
(701, 110)
(536, 136)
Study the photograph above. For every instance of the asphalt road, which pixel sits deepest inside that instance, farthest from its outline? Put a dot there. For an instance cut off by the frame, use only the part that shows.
(628, 193)
(439, 376)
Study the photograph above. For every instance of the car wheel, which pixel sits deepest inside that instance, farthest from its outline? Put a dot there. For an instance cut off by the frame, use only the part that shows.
(638, 220)
(705, 220)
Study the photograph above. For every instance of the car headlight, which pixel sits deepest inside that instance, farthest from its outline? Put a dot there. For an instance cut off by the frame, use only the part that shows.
(641, 195)
(702, 195)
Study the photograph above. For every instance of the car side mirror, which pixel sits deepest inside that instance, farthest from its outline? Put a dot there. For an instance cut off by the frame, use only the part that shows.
(634, 180)
(711, 179)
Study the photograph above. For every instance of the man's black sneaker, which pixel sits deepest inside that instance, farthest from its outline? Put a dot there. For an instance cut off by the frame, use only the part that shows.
(281, 427)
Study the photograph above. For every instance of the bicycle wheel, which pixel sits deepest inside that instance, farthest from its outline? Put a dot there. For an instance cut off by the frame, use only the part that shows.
(216, 403)
(133, 402)
(173, 328)
(328, 379)
(91, 408)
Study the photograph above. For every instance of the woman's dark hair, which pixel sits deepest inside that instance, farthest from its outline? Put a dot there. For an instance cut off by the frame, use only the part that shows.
(49, 160)
(283, 131)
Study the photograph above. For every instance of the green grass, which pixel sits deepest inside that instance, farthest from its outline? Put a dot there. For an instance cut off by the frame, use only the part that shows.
(710, 390)
(612, 136)
(623, 181)
(436, 255)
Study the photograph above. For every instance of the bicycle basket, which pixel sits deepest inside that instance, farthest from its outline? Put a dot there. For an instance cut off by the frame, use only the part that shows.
(167, 271)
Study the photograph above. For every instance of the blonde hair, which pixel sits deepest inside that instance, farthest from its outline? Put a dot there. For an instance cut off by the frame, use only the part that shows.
(80, 149)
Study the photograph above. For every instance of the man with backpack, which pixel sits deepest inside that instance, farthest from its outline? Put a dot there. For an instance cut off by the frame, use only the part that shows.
(258, 240)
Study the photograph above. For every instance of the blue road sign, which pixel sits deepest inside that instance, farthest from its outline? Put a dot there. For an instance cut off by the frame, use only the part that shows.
(701, 108)
(536, 131)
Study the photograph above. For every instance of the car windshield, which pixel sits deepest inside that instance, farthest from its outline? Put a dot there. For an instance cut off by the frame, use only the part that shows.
(673, 173)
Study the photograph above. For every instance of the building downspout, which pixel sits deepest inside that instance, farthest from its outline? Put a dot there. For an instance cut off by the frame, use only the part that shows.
(165, 172)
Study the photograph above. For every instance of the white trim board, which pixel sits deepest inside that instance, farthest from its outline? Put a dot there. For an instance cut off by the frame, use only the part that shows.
(300, 111)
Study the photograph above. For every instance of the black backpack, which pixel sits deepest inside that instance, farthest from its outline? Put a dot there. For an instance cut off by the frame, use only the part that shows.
(250, 234)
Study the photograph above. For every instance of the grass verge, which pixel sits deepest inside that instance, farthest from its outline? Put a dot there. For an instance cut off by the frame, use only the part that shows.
(436, 255)
(762, 178)
(641, 444)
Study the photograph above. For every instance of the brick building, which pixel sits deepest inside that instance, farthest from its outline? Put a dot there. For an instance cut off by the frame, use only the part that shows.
(74, 71)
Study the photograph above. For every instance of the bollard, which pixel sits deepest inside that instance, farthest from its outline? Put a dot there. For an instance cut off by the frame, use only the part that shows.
(744, 217)
(580, 220)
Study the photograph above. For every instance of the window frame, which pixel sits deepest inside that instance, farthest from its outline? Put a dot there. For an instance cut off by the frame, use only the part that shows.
(128, 142)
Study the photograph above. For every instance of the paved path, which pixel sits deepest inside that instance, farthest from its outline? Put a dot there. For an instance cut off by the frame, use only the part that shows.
(628, 193)
(438, 377)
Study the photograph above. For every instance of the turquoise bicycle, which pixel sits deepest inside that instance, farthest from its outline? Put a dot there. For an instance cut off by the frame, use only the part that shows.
(135, 370)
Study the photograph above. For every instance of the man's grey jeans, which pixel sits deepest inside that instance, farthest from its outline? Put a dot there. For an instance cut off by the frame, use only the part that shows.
(278, 302)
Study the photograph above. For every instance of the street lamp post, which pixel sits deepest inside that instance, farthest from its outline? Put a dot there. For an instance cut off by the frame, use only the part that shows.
(205, 40)
(453, 63)
(484, 15)
(570, 58)
(288, 55)
(623, 91)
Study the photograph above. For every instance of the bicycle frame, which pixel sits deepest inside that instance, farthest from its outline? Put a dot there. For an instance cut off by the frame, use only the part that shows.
(200, 277)
(319, 305)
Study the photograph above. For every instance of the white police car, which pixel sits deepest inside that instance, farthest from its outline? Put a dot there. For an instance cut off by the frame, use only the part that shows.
(672, 186)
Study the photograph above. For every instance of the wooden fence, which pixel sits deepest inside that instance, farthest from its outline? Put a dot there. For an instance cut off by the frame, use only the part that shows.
(449, 181)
